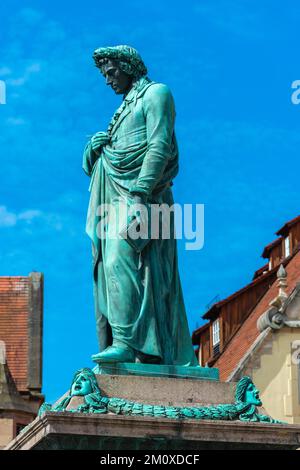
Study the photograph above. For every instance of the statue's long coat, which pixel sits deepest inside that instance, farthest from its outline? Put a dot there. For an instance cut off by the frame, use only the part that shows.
(138, 296)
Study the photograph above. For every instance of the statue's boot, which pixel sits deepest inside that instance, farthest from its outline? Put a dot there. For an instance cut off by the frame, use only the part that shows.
(115, 353)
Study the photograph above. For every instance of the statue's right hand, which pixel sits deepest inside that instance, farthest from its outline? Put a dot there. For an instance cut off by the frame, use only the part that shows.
(99, 139)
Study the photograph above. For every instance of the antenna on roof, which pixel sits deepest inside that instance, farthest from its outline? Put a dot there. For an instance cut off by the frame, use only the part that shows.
(213, 301)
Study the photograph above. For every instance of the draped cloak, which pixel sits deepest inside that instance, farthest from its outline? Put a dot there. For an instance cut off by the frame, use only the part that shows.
(138, 297)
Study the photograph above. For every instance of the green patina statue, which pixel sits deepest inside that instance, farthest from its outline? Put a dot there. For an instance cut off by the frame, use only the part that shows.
(85, 384)
(140, 313)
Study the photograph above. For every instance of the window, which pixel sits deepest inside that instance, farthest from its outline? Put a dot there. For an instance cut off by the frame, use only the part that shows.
(287, 246)
(200, 355)
(216, 337)
(216, 333)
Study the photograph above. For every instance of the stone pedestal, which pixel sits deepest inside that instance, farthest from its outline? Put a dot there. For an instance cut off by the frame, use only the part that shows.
(65, 430)
(166, 391)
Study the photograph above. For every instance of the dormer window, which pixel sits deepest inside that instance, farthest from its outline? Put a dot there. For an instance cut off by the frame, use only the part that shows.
(270, 265)
(287, 246)
(216, 332)
(216, 337)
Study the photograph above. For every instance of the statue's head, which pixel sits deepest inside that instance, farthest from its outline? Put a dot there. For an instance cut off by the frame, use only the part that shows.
(84, 383)
(246, 392)
(121, 66)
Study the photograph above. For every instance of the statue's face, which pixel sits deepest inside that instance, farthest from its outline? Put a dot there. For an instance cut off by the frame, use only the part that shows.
(119, 81)
(252, 395)
(81, 385)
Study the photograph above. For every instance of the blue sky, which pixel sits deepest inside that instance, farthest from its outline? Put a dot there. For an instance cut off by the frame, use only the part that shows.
(230, 65)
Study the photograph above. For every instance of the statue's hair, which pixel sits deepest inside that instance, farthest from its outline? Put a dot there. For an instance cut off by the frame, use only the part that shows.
(127, 58)
(241, 388)
(91, 376)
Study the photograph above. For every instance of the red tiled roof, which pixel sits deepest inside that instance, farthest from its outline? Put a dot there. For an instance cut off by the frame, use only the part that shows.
(287, 225)
(14, 310)
(248, 332)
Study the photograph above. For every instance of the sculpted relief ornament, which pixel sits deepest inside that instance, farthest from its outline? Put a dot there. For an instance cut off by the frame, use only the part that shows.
(85, 385)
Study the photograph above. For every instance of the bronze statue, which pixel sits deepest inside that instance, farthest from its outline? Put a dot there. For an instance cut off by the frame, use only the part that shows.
(139, 305)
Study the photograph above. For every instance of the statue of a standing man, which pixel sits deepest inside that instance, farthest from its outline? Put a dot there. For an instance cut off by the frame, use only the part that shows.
(139, 305)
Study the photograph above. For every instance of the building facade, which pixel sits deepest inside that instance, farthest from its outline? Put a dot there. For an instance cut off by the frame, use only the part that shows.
(21, 327)
(256, 330)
